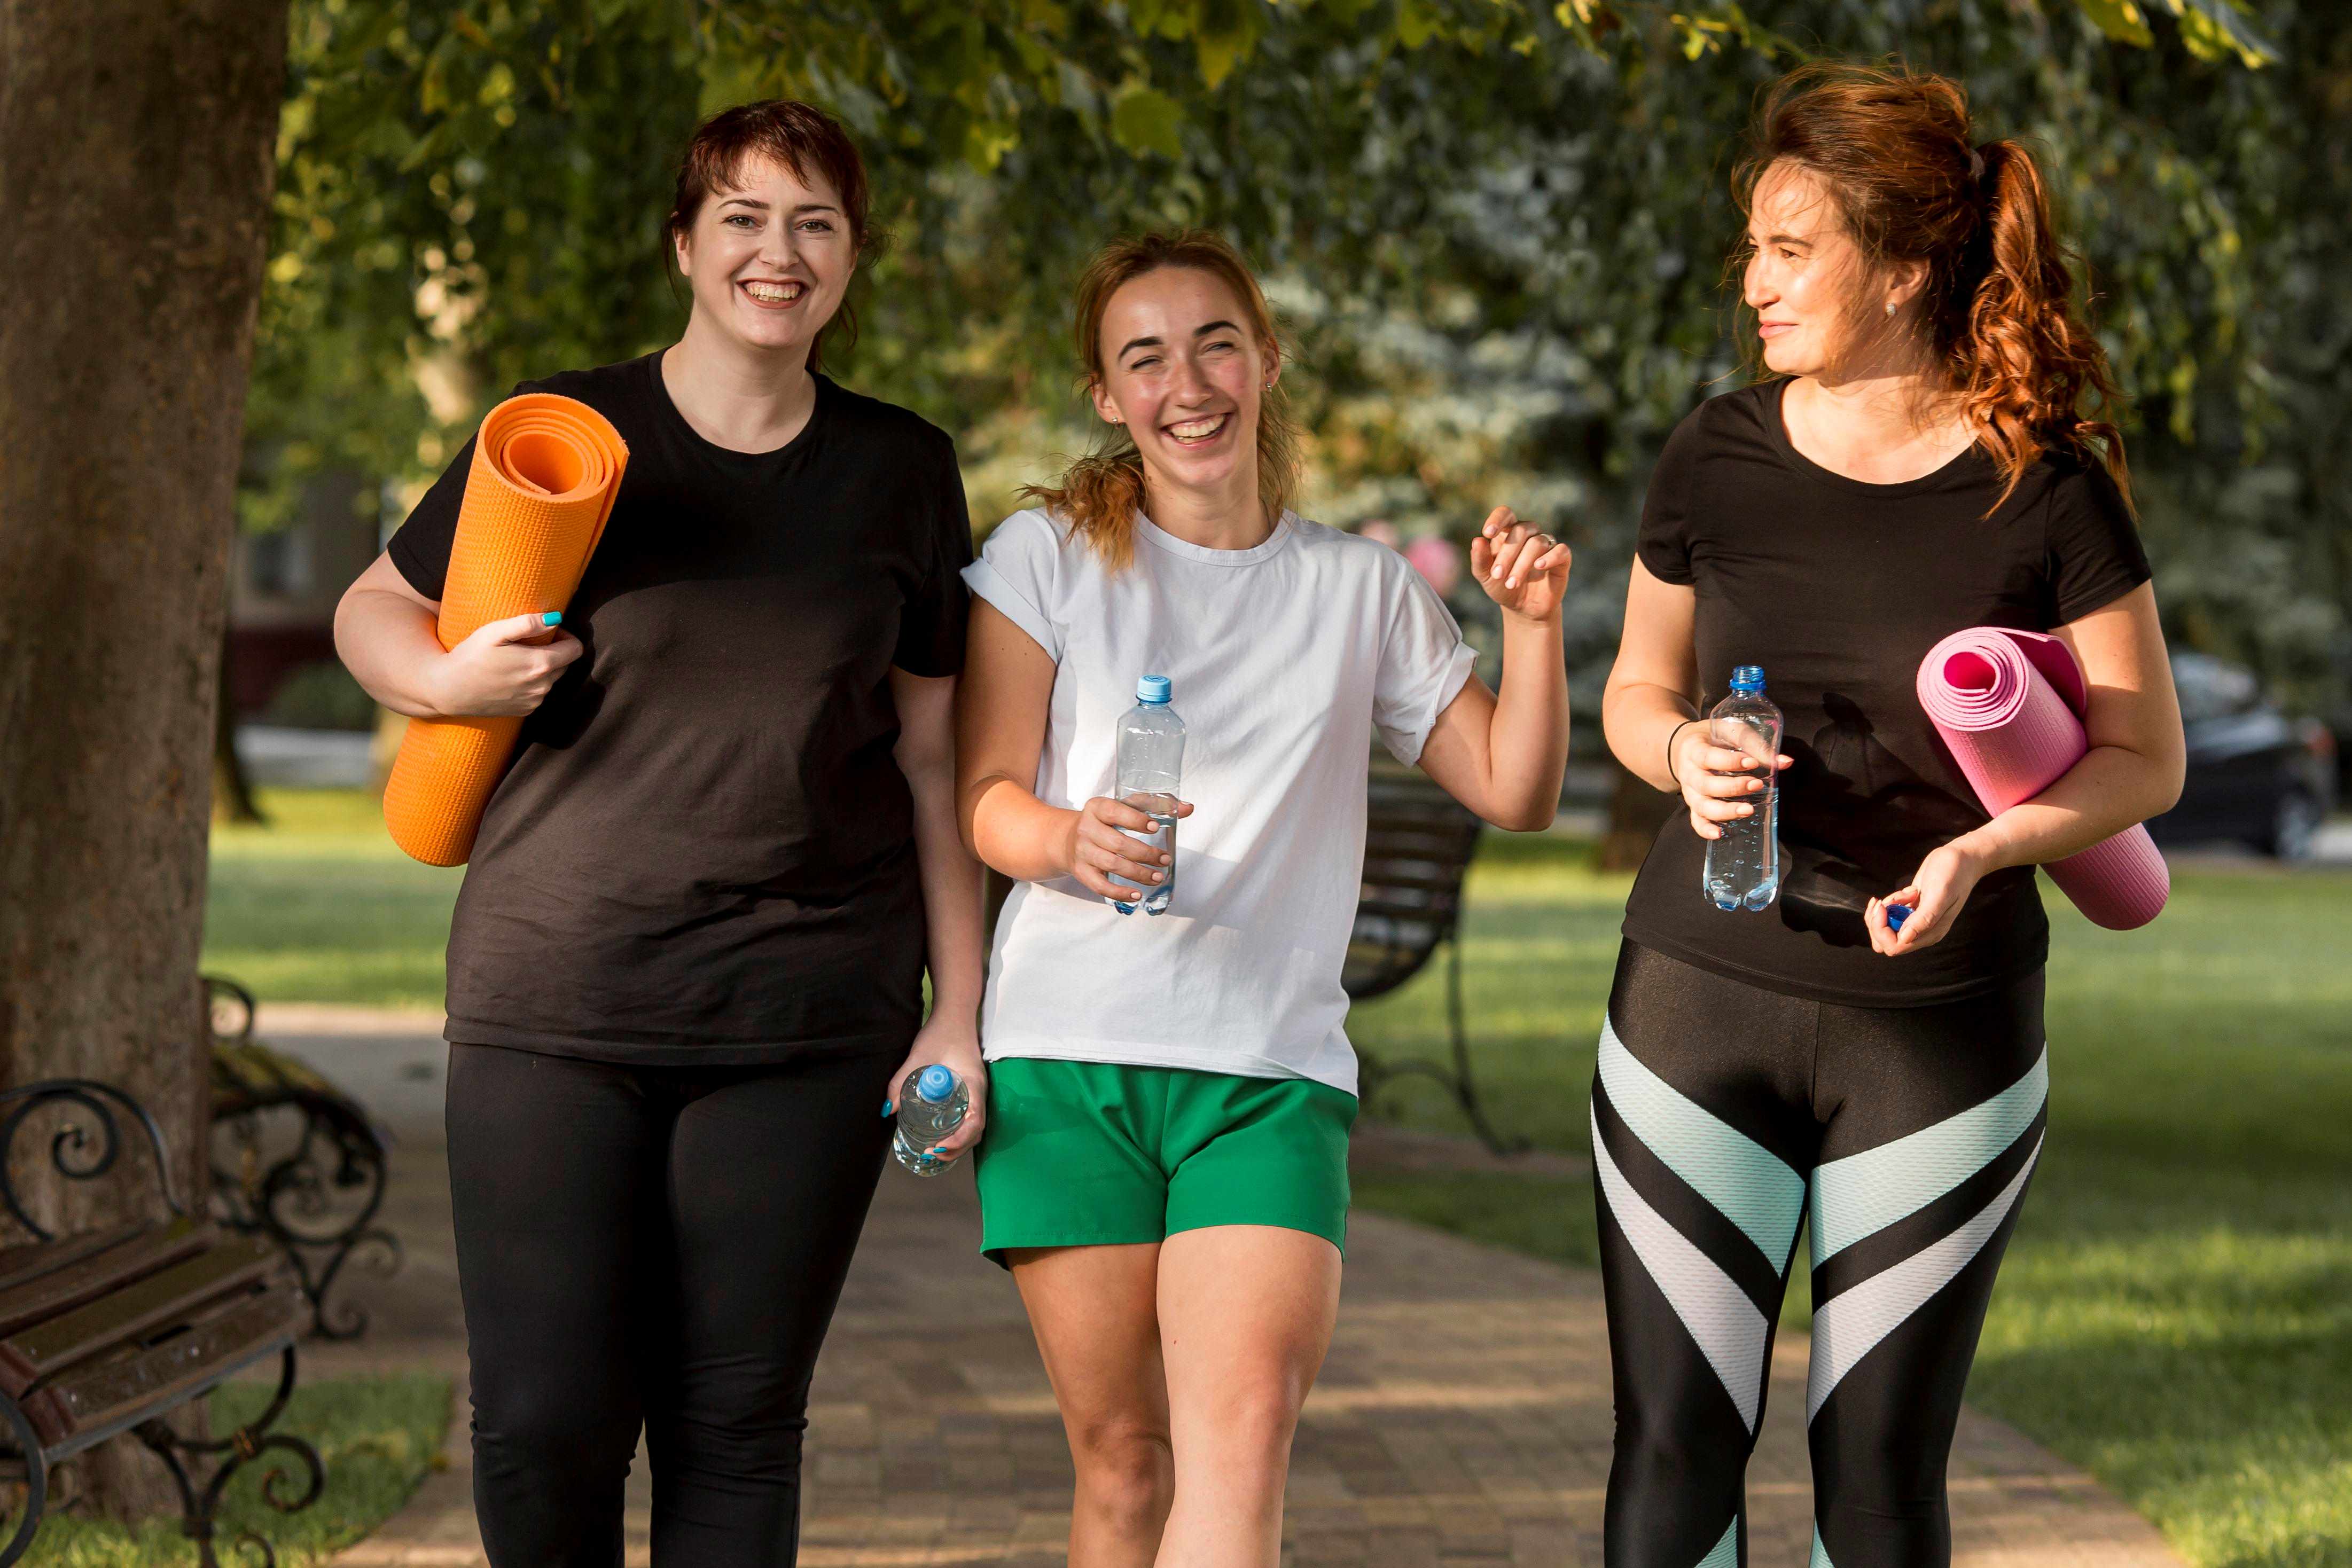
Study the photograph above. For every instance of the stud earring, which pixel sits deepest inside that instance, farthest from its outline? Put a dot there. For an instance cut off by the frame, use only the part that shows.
(1890, 307)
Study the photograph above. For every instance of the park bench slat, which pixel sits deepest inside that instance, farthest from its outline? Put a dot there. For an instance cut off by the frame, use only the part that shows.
(111, 1391)
(84, 1273)
(28, 1261)
(131, 1310)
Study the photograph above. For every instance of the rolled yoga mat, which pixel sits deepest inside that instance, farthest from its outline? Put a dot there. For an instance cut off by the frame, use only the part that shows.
(2010, 705)
(546, 469)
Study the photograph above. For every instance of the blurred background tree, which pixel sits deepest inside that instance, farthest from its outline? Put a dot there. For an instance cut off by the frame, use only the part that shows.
(1498, 232)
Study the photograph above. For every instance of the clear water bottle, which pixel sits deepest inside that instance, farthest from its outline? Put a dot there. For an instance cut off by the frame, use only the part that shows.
(1150, 771)
(1743, 866)
(931, 1105)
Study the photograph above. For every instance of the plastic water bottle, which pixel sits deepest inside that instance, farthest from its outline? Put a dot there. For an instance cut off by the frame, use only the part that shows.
(1150, 771)
(931, 1105)
(1743, 866)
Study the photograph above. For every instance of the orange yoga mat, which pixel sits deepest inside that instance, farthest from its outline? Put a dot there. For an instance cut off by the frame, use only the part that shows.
(545, 471)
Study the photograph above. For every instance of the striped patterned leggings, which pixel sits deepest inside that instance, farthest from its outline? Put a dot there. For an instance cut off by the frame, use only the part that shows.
(1719, 1112)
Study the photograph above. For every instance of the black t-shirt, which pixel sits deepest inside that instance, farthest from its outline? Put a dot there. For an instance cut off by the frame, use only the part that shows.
(703, 849)
(1838, 588)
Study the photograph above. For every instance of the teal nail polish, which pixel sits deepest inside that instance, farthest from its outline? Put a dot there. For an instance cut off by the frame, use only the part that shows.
(552, 618)
(885, 1107)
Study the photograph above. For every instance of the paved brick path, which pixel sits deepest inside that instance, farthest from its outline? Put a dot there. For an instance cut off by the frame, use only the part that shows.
(1462, 1417)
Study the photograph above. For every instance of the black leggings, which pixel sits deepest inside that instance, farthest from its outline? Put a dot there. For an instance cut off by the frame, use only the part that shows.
(655, 1247)
(1719, 1110)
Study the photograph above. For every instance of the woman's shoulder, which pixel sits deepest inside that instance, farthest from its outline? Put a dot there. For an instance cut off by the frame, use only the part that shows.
(604, 388)
(1034, 544)
(1739, 417)
(1351, 552)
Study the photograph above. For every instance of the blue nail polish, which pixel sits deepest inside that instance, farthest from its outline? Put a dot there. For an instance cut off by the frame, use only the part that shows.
(885, 1107)
(552, 618)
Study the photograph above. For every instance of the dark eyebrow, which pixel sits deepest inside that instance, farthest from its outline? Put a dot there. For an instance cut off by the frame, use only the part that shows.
(1134, 343)
(1788, 239)
(1214, 327)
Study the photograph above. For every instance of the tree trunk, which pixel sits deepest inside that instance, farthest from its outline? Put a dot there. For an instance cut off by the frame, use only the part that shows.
(233, 799)
(137, 149)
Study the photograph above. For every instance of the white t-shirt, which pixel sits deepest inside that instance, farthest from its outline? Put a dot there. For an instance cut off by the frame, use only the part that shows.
(1285, 658)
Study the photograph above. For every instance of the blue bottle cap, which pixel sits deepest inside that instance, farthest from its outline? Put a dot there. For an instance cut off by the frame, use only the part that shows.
(935, 1083)
(1153, 689)
(1896, 913)
(1747, 678)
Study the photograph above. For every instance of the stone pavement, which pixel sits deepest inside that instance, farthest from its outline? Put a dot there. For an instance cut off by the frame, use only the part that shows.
(1462, 1417)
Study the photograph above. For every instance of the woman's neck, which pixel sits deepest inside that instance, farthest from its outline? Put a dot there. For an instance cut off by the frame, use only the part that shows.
(1230, 517)
(736, 396)
(1882, 417)
(1883, 421)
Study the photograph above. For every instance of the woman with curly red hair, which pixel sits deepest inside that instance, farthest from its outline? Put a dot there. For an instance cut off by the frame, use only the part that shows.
(1926, 452)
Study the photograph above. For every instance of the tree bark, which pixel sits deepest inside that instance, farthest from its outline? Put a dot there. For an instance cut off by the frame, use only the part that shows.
(136, 152)
(233, 799)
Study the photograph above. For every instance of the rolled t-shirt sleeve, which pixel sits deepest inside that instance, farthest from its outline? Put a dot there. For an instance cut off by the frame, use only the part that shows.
(2093, 552)
(1015, 575)
(1424, 663)
(931, 626)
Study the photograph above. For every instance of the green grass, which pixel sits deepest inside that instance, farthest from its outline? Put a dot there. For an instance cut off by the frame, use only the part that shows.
(377, 1436)
(319, 906)
(2175, 1311)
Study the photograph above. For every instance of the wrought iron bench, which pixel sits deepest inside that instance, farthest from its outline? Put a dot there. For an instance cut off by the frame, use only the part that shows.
(1418, 841)
(295, 1159)
(107, 1330)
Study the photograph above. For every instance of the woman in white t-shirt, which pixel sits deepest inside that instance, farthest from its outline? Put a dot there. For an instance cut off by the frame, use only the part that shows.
(1164, 1168)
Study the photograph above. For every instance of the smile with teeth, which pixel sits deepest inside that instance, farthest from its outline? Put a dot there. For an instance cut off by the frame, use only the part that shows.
(1193, 432)
(775, 293)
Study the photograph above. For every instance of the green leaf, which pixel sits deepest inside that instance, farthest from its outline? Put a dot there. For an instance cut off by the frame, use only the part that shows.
(1144, 119)
(2217, 29)
(1224, 32)
(2120, 20)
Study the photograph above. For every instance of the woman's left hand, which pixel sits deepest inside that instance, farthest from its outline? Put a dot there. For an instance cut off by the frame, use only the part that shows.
(1938, 890)
(956, 1046)
(1523, 570)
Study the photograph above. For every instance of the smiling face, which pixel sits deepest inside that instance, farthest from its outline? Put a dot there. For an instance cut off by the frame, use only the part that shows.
(1819, 305)
(769, 258)
(1184, 373)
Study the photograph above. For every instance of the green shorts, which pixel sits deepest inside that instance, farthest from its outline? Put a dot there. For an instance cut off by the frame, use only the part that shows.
(1091, 1154)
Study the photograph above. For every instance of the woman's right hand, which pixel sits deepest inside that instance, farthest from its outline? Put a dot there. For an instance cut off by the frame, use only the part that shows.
(1719, 784)
(504, 669)
(1095, 849)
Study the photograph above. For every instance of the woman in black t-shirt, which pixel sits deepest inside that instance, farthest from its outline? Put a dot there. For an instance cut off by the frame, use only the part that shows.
(686, 963)
(1914, 465)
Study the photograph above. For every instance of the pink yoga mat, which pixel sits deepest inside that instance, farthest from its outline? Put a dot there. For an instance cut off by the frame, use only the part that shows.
(2009, 705)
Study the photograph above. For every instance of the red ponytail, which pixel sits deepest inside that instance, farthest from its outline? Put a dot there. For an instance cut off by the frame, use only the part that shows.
(1895, 151)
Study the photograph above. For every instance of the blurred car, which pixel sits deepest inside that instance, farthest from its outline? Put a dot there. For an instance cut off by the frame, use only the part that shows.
(2255, 776)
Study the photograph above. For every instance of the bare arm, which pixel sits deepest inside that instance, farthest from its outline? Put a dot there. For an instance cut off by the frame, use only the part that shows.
(951, 895)
(385, 634)
(1650, 708)
(2132, 771)
(1503, 754)
(1008, 682)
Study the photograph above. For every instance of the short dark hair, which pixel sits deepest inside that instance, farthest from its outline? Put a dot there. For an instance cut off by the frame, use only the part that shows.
(805, 140)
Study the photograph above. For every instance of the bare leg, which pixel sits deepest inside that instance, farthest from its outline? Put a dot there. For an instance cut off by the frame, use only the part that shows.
(1245, 1316)
(1097, 1328)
